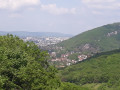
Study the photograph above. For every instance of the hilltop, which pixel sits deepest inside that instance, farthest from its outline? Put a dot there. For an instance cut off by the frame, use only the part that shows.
(101, 39)
(100, 72)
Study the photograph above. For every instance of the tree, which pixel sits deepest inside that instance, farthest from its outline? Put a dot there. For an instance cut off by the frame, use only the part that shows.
(24, 66)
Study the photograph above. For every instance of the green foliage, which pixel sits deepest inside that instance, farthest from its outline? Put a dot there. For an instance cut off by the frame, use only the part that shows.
(24, 66)
(73, 56)
(102, 69)
(71, 86)
(97, 38)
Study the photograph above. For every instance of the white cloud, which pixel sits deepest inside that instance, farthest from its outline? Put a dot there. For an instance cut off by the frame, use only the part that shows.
(98, 1)
(109, 6)
(114, 6)
(102, 4)
(15, 4)
(53, 9)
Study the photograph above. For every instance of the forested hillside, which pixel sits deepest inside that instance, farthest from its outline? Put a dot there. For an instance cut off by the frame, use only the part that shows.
(101, 39)
(100, 72)
(23, 66)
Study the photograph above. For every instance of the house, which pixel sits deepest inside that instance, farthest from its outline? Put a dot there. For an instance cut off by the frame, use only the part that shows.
(82, 57)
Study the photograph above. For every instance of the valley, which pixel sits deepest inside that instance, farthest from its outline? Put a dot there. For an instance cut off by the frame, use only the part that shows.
(90, 63)
(65, 51)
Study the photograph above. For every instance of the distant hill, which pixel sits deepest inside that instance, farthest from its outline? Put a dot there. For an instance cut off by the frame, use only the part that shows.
(35, 34)
(104, 38)
(101, 72)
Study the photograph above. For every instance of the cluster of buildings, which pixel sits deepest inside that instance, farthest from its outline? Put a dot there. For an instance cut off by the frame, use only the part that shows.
(64, 61)
(45, 41)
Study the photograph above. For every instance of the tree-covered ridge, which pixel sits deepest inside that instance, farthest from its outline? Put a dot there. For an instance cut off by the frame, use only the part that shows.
(101, 39)
(23, 66)
(101, 71)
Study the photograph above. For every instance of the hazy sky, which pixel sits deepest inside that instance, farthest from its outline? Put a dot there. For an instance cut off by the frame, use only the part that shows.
(65, 16)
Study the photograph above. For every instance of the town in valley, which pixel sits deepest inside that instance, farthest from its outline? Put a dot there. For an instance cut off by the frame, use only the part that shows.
(57, 59)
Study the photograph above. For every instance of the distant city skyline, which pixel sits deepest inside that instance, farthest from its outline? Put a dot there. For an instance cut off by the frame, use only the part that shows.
(63, 16)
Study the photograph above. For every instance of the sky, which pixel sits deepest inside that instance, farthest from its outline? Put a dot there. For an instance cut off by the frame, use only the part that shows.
(64, 16)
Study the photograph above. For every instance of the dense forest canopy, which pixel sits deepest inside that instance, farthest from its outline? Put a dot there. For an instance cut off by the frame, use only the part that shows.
(24, 66)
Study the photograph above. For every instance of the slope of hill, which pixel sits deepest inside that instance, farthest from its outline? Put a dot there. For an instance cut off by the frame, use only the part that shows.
(100, 39)
(101, 72)
(35, 34)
